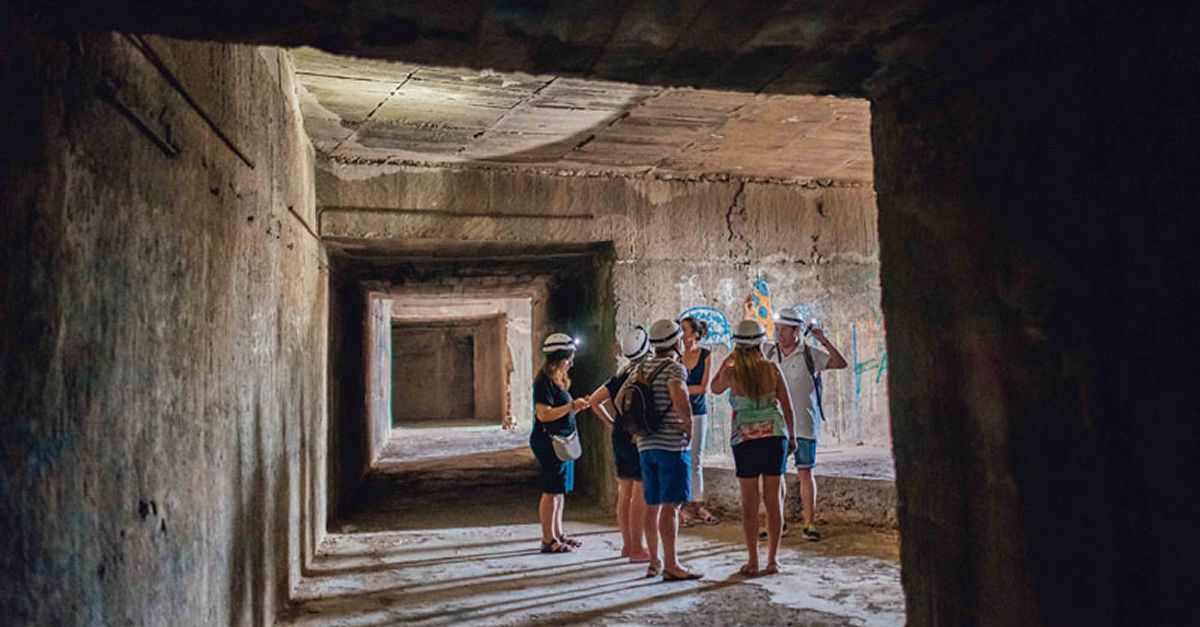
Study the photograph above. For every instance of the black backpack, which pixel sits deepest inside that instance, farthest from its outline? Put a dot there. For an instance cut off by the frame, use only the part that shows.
(636, 411)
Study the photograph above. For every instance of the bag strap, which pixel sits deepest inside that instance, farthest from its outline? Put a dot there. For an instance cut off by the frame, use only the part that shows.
(657, 371)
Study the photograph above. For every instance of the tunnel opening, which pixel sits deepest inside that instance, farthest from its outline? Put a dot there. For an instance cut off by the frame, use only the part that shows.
(190, 327)
(500, 296)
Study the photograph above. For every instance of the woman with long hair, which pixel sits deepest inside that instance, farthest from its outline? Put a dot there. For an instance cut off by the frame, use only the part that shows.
(698, 361)
(631, 503)
(763, 434)
(554, 413)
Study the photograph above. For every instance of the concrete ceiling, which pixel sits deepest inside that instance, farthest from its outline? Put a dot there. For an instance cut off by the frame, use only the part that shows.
(373, 111)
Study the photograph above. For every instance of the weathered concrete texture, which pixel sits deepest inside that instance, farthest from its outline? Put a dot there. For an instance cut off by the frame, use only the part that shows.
(518, 337)
(373, 111)
(815, 246)
(566, 294)
(747, 45)
(1045, 446)
(162, 331)
(434, 364)
(855, 486)
(377, 355)
(445, 441)
(475, 561)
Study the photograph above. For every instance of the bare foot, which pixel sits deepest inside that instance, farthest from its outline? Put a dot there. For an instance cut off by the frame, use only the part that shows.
(772, 568)
(638, 557)
(749, 569)
(682, 574)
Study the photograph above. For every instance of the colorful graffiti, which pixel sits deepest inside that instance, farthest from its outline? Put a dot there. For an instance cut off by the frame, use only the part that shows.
(760, 307)
(719, 331)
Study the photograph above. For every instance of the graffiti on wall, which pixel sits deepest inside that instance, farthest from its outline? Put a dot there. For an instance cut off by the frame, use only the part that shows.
(719, 332)
(760, 307)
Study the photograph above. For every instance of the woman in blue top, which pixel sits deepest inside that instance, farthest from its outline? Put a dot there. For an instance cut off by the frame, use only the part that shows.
(554, 410)
(698, 361)
(763, 435)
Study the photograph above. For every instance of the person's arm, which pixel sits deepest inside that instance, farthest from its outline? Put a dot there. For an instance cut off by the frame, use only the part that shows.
(702, 387)
(720, 383)
(784, 396)
(683, 406)
(597, 401)
(546, 413)
(836, 360)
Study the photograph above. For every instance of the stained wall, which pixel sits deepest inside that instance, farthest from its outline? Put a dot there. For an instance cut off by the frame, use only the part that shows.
(162, 331)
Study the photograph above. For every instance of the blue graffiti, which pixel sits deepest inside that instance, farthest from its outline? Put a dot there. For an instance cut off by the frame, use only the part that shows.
(719, 331)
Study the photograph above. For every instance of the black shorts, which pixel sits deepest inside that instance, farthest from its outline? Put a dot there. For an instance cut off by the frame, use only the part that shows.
(625, 454)
(763, 456)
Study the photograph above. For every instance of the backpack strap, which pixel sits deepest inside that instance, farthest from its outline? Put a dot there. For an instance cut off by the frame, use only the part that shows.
(816, 378)
(657, 371)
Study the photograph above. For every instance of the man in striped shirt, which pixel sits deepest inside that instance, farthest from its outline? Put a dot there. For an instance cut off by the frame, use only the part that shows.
(666, 456)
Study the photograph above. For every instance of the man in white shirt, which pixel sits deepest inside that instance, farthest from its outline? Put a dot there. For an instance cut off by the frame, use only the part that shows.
(802, 364)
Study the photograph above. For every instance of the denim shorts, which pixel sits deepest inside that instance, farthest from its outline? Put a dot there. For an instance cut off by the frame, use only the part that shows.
(806, 453)
(666, 476)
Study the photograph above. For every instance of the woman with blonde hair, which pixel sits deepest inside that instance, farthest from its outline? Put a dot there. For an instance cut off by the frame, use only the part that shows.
(631, 502)
(554, 413)
(763, 434)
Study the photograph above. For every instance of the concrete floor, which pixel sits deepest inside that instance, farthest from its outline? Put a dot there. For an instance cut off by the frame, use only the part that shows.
(444, 440)
(454, 560)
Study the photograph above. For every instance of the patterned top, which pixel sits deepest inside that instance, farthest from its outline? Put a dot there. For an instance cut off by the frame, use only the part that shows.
(755, 418)
(670, 436)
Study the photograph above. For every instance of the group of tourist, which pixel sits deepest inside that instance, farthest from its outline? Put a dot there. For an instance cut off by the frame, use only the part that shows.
(774, 392)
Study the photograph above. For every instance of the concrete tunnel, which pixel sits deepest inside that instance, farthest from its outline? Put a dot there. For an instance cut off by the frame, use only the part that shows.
(276, 278)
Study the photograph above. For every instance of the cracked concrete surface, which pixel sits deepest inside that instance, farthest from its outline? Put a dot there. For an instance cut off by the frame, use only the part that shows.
(476, 561)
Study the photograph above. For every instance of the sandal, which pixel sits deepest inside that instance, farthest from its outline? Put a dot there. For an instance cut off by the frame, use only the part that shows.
(654, 569)
(555, 547)
(686, 575)
(686, 518)
(571, 542)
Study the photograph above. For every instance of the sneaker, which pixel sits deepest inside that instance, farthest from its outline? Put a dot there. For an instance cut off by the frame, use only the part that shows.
(762, 535)
(810, 533)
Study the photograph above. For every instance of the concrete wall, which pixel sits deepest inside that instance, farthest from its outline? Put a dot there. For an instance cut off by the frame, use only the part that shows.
(377, 356)
(435, 360)
(815, 246)
(162, 338)
(514, 315)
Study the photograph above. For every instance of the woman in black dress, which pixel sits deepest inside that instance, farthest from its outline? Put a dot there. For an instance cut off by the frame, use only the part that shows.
(554, 413)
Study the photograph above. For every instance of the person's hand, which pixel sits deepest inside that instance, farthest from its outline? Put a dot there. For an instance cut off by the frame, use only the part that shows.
(748, 307)
(816, 332)
(792, 446)
(579, 403)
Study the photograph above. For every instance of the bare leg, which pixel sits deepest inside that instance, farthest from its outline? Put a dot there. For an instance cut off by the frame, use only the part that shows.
(750, 500)
(559, 503)
(773, 500)
(808, 494)
(624, 509)
(546, 516)
(668, 528)
(637, 528)
(650, 523)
